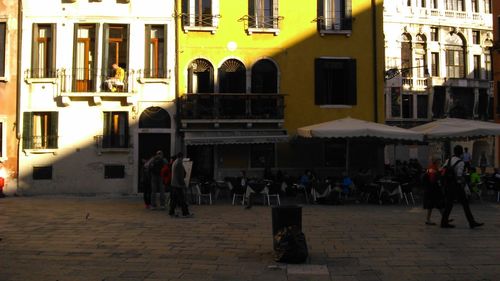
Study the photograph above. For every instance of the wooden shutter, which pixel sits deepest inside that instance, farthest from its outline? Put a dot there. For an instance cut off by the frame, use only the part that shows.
(34, 51)
(165, 52)
(53, 49)
(27, 125)
(319, 82)
(351, 82)
(3, 29)
(347, 17)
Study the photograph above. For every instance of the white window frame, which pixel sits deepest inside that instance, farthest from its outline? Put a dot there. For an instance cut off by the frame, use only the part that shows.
(329, 18)
(275, 14)
(6, 75)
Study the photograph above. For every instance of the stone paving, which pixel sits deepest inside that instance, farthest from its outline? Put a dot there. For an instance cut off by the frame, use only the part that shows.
(104, 238)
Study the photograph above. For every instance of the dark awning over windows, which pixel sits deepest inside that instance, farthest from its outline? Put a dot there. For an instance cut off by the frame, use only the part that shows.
(235, 137)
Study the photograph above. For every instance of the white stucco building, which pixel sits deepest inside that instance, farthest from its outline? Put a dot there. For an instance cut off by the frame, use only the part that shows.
(438, 61)
(80, 133)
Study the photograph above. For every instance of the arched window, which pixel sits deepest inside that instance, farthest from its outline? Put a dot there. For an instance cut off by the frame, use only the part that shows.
(455, 55)
(406, 55)
(155, 117)
(200, 77)
(264, 77)
(232, 77)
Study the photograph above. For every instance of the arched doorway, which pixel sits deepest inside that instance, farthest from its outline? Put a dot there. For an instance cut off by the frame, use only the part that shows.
(155, 127)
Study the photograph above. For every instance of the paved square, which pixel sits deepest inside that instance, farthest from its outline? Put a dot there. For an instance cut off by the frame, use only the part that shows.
(101, 238)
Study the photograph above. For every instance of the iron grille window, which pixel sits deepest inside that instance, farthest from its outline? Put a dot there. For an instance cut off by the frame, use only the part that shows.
(43, 51)
(263, 13)
(197, 13)
(42, 173)
(3, 29)
(114, 171)
(335, 81)
(116, 130)
(40, 130)
(334, 15)
(156, 51)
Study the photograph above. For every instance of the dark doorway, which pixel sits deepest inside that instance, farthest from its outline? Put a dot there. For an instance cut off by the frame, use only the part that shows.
(148, 145)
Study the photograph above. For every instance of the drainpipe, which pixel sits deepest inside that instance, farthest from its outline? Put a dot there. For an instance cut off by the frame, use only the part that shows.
(18, 85)
(177, 12)
(375, 62)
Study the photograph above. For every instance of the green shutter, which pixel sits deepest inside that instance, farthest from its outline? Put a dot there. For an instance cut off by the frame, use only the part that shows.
(34, 52)
(52, 52)
(165, 52)
(27, 129)
(105, 50)
(53, 133)
(147, 47)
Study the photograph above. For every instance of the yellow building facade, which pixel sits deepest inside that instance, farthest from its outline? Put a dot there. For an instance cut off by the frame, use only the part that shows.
(287, 53)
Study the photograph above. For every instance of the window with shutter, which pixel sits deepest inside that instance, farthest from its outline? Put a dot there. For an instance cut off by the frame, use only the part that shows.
(40, 130)
(116, 128)
(334, 15)
(200, 15)
(43, 51)
(156, 48)
(335, 81)
(3, 30)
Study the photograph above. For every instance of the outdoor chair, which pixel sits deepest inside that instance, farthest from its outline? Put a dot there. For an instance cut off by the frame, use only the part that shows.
(273, 192)
(203, 192)
(407, 190)
(237, 190)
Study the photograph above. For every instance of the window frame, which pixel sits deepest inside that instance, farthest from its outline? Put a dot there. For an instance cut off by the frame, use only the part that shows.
(88, 84)
(41, 168)
(49, 123)
(453, 63)
(110, 138)
(3, 50)
(107, 61)
(49, 68)
(161, 65)
(3, 138)
(321, 85)
(326, 24)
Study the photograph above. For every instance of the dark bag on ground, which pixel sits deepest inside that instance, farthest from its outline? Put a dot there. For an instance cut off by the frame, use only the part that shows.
(290, 245)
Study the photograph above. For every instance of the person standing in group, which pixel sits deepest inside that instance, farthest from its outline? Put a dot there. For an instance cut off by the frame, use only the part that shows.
(178, 187)
(483, 162)
(155, 167)
(433, 194)
(145, 179)
(467, 157)
(166, 176)
(454, 189)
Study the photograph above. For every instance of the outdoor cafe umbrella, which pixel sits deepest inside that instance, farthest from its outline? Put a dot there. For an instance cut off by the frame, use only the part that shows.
(456, 128)
(348, 128)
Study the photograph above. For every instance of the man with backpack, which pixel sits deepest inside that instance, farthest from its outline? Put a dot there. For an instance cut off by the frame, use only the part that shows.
(454, 183)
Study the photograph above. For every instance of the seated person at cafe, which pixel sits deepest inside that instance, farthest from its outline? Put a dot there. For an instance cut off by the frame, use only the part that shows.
(118, 80)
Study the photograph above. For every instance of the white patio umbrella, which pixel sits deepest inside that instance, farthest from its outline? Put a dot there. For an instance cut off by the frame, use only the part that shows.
(349, 128)
(456, 128)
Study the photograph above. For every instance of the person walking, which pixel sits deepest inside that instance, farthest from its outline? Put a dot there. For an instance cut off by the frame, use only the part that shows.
(155, 168)
(454, 189)
(467, 157)
(145, 180)
(433, 194)
(178, 187)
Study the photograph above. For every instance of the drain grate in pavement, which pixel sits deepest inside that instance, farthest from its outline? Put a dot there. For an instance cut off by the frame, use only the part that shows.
(308, 269)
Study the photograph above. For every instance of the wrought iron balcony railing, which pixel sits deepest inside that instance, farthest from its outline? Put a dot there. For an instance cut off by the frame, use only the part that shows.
(112, 141)
(40, 142)
(81, 80)
(336, 23)
(263, 22)
(200, 20)
(231, 106)
(38, 73)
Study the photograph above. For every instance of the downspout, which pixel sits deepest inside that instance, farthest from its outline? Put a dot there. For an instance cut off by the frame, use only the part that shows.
(375, 62)
(18, 86)
(176, 71)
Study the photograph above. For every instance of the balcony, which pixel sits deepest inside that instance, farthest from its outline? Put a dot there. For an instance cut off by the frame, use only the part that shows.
(40, 144)
(216, 108)
(199, 22)
(112, 143)
(262, 24)
(440, 15)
